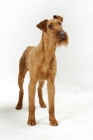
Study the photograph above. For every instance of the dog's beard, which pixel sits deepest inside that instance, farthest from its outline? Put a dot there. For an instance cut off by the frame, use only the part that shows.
(63, 42)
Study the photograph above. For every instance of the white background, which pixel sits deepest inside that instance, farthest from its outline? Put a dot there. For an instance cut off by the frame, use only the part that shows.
(18, 19)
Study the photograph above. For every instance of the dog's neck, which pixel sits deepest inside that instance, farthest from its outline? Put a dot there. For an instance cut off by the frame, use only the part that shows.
(48, 47)
(46, 44)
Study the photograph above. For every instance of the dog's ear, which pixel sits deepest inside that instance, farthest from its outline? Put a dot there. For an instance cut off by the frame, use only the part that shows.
(43, 25)
(58, 17)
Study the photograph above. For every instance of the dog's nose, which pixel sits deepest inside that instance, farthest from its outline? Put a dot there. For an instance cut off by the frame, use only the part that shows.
(62, 34)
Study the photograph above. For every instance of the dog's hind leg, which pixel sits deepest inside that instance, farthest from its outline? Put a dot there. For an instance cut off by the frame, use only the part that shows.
(40, 96)
(22, 72)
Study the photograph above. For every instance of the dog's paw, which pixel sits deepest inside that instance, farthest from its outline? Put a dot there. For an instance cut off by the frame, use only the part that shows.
(18, 106)
(54, 122)
(31, 122)
(43, 105)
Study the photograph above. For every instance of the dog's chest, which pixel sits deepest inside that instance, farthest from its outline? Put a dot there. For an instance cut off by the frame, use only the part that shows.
(46, 71)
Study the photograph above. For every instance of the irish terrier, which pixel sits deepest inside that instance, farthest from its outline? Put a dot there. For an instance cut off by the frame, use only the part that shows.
(40, 61)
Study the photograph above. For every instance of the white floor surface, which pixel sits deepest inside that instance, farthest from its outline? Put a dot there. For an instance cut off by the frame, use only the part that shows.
(74, 113)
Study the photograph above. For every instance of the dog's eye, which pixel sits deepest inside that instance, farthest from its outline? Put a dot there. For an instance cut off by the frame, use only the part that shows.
(59, 23)
(50, 26)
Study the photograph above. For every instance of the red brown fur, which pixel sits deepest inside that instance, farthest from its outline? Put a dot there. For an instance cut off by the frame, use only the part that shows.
(40, 61)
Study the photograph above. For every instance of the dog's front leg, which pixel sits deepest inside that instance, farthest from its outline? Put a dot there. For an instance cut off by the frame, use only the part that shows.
(31, 117)
(51, 96)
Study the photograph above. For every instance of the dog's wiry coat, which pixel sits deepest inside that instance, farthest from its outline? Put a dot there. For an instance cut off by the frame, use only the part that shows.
(40, 61)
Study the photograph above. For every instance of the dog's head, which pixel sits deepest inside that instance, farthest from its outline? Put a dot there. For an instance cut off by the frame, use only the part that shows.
(53, 29)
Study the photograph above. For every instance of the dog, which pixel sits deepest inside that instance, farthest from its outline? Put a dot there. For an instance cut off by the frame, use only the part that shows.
(40, 61)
